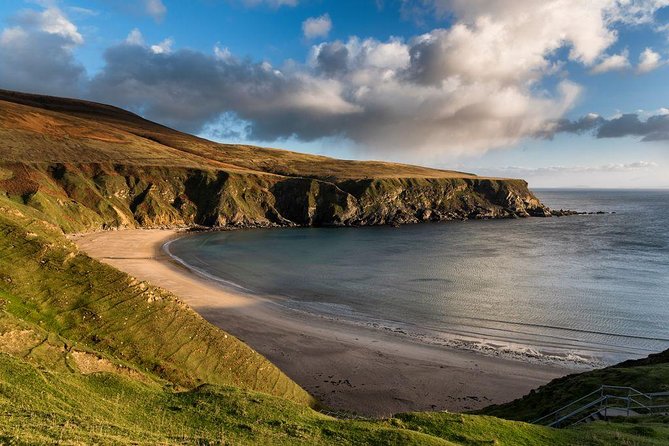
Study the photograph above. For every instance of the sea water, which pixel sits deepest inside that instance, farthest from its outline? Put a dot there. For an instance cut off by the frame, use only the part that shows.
(586, 289)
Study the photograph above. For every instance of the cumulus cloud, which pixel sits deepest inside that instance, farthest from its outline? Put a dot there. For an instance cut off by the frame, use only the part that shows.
(135, 37)
(653, 127)
(587, 123)
(164, 47)
(36, 54)
(156, 9)
(465, 89)
(52, 21)
(368, 91)
(188, 89)
(315, 27)
(615, 62)
(223, 53)
(632, 12)
(649, 60)
(474, 86)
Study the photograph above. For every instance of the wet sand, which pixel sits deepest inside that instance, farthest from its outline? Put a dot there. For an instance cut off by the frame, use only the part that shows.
(346, 367)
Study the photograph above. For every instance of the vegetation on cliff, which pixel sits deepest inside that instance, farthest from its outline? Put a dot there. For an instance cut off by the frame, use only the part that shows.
(650, 374)
(90, 166)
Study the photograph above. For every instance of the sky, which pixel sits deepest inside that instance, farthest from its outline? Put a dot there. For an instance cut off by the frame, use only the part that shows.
(563, 93)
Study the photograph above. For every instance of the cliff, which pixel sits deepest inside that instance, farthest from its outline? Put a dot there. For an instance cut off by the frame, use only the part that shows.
(89, 166)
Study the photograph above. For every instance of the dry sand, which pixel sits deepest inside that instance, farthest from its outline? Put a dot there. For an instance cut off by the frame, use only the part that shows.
(346, 367)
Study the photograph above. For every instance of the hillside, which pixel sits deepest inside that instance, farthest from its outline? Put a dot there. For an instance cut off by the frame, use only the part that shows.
(650, 374)
(90, 355)
(80, 305)
(90, 166)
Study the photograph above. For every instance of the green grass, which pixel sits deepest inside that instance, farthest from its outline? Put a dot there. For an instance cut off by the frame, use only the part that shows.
(42, 406)
(96, 306)
(646, 375)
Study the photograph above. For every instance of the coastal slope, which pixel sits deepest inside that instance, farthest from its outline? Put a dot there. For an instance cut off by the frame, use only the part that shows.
(90, 166)
(91, 355)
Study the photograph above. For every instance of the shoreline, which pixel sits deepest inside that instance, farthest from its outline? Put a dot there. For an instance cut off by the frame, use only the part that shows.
(508, 349)
(346, 366)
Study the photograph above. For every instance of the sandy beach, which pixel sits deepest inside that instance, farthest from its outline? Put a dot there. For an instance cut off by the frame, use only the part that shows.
(346, 367)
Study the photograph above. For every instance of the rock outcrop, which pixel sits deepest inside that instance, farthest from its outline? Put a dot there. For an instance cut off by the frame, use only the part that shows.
(95, 196)
(88, 166)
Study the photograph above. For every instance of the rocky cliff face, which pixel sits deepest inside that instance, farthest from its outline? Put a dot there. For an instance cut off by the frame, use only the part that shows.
(87, 166)
(97, 195)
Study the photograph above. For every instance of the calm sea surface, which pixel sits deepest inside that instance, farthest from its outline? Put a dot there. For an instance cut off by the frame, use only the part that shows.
(583, 289)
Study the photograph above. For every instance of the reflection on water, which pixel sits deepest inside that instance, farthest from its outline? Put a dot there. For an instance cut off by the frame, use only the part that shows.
(591, 286)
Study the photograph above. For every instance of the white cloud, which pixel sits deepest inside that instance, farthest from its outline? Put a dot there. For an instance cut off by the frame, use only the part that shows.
(536, 28)
(83, 11)
(634, 174)
(222, 53)
(36, 55)
(315, 27)
(135, 37)
(634, 12)
(467, 89)
(156, 9)
(53, 21)
(164, 47)
(615, 62)
(10, 36)
(649, 60)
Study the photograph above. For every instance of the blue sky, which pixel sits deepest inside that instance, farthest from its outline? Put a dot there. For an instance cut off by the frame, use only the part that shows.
(564, 93)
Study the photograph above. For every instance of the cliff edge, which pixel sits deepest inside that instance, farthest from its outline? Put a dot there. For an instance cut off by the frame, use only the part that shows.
(91, 166)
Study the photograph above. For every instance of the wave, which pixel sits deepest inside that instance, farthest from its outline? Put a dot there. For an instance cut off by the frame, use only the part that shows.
(485, 339)
(200, 272)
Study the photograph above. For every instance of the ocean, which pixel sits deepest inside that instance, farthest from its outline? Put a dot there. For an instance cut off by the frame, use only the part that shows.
(585, 290)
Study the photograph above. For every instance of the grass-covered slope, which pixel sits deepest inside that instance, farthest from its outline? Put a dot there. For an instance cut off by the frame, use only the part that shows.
(91, 166)
(75, 131)
(52, 405)
(51, 393)
(645, 375)
(45, 282)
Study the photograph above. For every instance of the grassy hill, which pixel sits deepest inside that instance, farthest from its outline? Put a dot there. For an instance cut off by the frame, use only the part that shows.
(645, 375)
(89, 355)
(107, 408)
(66, 295)
(118, 136)
(90, 166)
